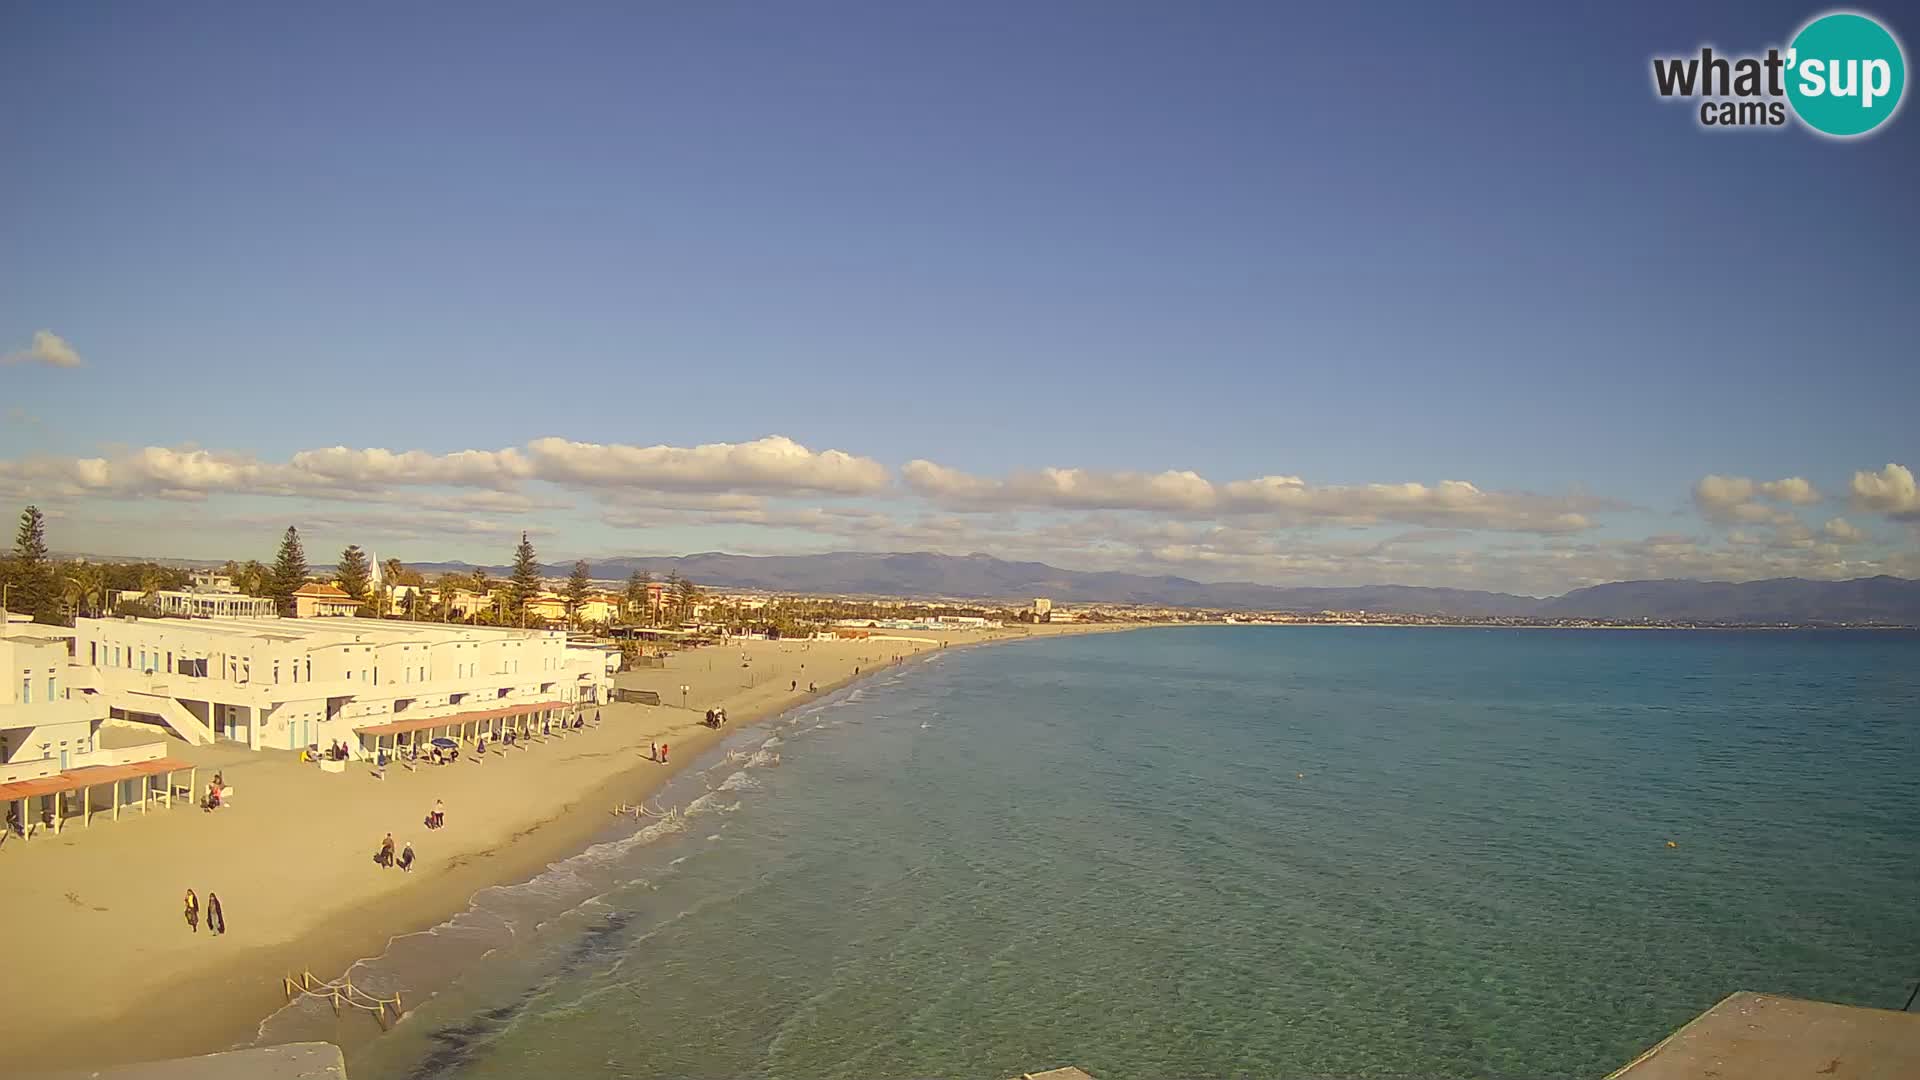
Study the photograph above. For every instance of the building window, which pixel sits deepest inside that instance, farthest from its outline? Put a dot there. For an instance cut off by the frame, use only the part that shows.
(52, 694)
(26, 690)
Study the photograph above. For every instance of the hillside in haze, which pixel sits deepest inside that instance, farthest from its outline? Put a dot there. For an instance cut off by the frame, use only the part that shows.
(983, 577)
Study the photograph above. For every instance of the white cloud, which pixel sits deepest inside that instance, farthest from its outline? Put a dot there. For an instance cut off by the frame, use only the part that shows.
(47, 348)
(1791, 489)
(1280, 499)
(774, 464)
(1842, 531)
(1450, 503)
(1891, 491)
(1735, 499)
(499, 469)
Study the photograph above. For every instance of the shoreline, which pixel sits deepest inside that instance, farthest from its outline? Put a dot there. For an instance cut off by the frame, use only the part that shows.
(220, 1004)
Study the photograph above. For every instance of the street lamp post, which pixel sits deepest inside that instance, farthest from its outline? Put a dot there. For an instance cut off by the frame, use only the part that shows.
(683, 694)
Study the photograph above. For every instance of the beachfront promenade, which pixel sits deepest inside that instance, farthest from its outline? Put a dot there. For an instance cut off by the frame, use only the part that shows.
(102, 938)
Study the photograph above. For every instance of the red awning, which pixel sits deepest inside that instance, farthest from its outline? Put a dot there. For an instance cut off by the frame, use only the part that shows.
(75, 779)
(395, 727)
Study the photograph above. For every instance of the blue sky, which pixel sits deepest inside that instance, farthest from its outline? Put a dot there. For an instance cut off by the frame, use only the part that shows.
(1392, 246)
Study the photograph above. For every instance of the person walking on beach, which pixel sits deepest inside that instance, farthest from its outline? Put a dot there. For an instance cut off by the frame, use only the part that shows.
(406, 858)
(193, 912)
(438, 816)
(663, 753)
(795, 685)
(216, 918)
(385, 858)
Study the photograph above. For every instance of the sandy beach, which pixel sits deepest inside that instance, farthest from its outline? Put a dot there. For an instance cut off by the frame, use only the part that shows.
(99, 937)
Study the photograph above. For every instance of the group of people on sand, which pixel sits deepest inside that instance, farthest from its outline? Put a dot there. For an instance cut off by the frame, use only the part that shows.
(215, 798)
(436, 819)
(216, 916)
(715, 717)
(657, 751)
(386, 858)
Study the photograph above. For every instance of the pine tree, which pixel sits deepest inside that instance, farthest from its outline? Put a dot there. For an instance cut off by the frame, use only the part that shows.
(289, 570)
(33, 582)
(579, 584)
(525, 580)
(354, 573)
(670, 596)
(637, 591)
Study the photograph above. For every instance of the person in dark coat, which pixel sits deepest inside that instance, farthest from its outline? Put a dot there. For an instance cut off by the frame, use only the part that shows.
(193, 912)
(216, 918)
(406, 858)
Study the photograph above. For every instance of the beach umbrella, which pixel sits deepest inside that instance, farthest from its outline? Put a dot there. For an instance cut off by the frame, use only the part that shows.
(445, 743)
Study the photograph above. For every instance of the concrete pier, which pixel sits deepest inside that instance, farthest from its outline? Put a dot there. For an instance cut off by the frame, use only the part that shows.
(1753, 1036)
(291, 1061)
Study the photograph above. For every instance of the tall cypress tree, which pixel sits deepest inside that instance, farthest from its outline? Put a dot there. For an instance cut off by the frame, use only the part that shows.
(354, 573)
(33, 583)
(289, 570)
(525, 580)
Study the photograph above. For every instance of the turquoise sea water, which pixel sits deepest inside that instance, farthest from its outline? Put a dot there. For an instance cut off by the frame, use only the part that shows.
(1221, 852)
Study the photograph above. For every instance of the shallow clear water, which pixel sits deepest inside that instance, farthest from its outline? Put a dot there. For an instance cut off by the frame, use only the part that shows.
(1222, 852)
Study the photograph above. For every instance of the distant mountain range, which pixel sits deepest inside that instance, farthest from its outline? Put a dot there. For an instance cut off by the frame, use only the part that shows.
(983, 577)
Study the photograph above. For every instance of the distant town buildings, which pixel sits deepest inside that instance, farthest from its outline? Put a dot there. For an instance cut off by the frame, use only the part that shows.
(208, 595)
(1041, 607)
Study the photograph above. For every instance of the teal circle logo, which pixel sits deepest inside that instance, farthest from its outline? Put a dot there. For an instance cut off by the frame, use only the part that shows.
(1845, 74)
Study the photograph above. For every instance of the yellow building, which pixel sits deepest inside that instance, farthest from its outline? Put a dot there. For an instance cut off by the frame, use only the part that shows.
(546, 606)
(315, 601)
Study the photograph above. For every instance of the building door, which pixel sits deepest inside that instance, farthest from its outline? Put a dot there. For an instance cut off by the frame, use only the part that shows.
(63, 759)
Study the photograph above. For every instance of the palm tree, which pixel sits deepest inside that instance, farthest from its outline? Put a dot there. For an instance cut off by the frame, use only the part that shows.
(86, 588)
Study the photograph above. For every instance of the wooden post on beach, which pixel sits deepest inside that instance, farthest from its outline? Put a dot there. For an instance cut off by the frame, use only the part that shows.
(86, 806)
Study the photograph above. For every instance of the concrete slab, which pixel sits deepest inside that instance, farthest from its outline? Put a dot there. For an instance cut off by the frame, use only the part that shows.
(1753, 1036)
(292, 1061)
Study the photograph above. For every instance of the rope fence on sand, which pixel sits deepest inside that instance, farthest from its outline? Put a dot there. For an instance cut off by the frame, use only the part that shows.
(342, 993)
(645, 810)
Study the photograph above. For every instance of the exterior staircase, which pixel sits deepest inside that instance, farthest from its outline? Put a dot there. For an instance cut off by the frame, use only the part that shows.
(135, 694)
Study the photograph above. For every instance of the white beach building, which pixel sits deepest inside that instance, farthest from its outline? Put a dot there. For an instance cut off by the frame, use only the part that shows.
(57, 751)
(286, 684)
